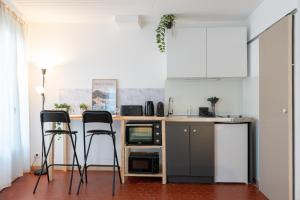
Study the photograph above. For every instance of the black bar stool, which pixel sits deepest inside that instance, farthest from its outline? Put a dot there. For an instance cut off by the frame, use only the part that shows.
(98, 117)
(54, 116)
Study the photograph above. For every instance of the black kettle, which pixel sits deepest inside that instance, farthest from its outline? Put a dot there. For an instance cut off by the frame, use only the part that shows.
(149, 108)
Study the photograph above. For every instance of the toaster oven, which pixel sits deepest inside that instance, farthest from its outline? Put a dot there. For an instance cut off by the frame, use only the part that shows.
(143, 133)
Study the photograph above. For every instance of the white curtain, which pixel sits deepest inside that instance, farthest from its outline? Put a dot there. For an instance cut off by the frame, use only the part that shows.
(14, 105)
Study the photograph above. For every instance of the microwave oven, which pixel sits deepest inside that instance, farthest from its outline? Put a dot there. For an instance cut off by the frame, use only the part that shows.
(143, 162)
(143, 133)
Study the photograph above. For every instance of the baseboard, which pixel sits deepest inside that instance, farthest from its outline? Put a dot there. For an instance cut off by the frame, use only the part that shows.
(61, 168)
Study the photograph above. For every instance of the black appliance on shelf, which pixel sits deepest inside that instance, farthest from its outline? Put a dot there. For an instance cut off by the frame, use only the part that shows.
(143, 162)
(149, 108)
(143, 133)
(132, 110)
(160, 111)
(204, 112)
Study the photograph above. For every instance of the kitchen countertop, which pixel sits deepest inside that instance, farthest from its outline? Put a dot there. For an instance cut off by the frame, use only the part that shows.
(180, 118)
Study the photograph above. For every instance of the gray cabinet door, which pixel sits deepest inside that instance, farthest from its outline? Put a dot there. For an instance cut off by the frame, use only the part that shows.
(202, 150)
(178, 156)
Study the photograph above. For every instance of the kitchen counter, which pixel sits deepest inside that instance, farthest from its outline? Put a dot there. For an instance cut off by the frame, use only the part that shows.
(182, 118)
(179, 118)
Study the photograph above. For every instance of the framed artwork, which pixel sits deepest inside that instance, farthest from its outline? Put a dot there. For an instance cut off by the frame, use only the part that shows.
(104, 95)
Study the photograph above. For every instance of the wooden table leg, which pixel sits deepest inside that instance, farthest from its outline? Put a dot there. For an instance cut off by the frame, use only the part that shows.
(163, 150)
(65, 149)
(51, 161)
(65, 152)
(122, 151)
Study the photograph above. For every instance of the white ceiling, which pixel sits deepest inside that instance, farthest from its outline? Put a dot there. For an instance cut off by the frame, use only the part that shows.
(97, 10)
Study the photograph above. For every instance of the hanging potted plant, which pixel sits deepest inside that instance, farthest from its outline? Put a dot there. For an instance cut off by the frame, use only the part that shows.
(166, 22)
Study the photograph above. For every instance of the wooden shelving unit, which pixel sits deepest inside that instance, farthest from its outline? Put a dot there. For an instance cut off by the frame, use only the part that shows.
(143, 147)
(145, 175)
(126, 149)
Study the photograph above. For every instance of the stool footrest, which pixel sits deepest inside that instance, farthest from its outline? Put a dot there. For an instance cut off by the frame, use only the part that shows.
(100, 166)
(63, 165)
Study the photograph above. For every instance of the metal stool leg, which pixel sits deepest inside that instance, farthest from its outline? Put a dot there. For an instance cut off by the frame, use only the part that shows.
(44, 152)
(85, 167)
(46, 156)
(114, 175)
(71, 179)
(85, 153)
(116, 157)
(76, 157)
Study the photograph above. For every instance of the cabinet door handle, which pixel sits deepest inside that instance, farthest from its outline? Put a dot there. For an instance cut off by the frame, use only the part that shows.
(185, 130)
(284, 111)
(194, 130)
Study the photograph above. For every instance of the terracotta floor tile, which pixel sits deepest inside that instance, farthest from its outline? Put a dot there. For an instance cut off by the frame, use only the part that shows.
(100, 187)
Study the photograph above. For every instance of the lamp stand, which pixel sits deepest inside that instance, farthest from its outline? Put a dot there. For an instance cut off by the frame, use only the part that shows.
(38, 171)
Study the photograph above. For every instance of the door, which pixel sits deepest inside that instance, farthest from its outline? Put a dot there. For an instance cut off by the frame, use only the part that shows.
(177, 148)
(186, 53)
(202, 150)
(226, 52)
(275, 111)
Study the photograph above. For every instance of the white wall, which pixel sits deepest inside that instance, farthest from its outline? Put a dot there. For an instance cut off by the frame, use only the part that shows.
(194, 94)
(81, 52)
(268, 12)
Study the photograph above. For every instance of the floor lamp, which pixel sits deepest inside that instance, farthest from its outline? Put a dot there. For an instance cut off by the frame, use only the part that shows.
(41, 91)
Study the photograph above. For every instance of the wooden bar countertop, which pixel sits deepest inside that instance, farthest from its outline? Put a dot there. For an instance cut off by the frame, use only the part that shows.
(178, 118)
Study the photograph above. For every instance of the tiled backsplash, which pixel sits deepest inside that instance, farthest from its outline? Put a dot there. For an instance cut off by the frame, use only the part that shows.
(125, 96)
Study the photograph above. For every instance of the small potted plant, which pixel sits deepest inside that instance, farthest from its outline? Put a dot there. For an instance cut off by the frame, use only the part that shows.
(213, 101)
(166, 22)
(83, 107)
(62, 106)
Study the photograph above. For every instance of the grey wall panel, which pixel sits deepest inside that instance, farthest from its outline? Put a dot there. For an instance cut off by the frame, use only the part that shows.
(275, 111)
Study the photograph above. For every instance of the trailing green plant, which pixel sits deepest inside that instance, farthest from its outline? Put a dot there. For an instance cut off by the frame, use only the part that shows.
(83, 106)
(166, 22)
(62, 106)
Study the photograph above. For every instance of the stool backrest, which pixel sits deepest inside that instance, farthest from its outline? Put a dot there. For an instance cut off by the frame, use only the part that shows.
(54, 116)
(97, 117)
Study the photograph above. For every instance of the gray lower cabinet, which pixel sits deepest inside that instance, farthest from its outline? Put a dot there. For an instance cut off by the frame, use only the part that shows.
(202, 150)
(190, 152)
(178, 151)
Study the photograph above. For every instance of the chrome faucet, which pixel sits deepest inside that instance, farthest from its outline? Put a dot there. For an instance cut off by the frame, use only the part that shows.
(170, 106)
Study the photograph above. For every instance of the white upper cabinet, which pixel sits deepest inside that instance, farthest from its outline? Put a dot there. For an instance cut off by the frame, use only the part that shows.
(226, 52)
(186, 53)
(214, 52)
